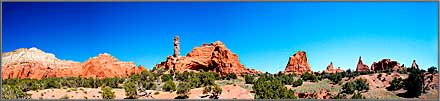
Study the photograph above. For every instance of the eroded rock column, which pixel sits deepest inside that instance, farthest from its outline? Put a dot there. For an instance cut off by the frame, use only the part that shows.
(176, 47)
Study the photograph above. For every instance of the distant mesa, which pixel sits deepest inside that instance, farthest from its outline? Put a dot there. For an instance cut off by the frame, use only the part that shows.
(361, 66)
(214, 57)
(298, 64)
(331, 70)
(36, 64)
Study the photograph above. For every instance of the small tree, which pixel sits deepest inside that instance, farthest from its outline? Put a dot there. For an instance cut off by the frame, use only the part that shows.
(307, 76)
(249, 79)
(414, 83)
(183, 90)
(349, 87)
(167, 77)
(169, 86)
(395, 84)
(230, 76)
(107, 93)
(216, 91)
(130, 90)
(432, 70)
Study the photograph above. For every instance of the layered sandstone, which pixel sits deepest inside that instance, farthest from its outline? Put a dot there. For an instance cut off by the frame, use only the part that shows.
(330, 69)
(104, 65)
(298, 64)
(361, 66)
(214, 57)
(385, 64)
(36, 64)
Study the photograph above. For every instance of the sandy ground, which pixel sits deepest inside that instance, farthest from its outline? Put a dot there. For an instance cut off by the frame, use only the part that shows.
(228, 92)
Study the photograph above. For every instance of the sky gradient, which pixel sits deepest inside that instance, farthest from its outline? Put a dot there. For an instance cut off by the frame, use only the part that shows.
(263, 34)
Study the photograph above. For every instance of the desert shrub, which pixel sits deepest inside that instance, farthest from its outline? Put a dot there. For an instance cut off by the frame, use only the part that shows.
(216, 91)
(335, 77)
(339, 96)
(432, 70)
(269, 87)
(249, 79)
(130, 90)
(166, 77)
(107, 93)
(395, 84)
(230, 76)
(361, 84)
(349, 87)
(379, 76)
(156, 93)
(297, 83)
(183, 89)
(363, 73)
(309, 77)
(357, 96)
(414, 83)
(13, 92)
(149, 85)
(169, 86)
(207, 78)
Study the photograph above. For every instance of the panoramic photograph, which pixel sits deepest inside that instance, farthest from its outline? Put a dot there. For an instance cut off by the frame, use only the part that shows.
(220, 50)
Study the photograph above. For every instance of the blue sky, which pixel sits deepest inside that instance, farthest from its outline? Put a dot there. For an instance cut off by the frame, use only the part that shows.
(263, 34)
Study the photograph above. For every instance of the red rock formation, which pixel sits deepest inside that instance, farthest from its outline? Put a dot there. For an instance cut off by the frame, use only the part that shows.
(338, 70)
(361, 66)
(330, 69)
(209, 57)
(385, 64)
(414, 65)
(298, 64)
(105, 65)
(36, 64)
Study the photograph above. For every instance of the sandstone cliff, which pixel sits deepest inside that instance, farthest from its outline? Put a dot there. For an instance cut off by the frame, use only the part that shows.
(361, 66)
(385, 64)
(36, 64)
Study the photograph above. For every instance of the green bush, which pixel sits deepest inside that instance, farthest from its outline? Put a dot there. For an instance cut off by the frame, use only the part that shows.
(130, 90)
(13, 92)
(414, 83)
(361, 84)
(349, 87)
(230, 76)
(167, 77)
(249, 79)
(107, 93)
(183, 89)
(269, 87)
(169, 86)
(395, 84)
(432, 70)
(309, 77)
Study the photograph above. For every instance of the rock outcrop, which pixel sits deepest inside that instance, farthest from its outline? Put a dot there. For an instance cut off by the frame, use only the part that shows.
(36, 64)
(331, 70)
(361, 66)
(385, 64)
(414, 65)
(298, 64)
(208, 57)
(104, 65)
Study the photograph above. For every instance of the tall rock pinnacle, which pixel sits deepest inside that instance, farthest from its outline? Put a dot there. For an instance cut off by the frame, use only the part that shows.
(176, 47)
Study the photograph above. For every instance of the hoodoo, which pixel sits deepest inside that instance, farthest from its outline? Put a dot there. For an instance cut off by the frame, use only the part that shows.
(361, 66)
(298, 64)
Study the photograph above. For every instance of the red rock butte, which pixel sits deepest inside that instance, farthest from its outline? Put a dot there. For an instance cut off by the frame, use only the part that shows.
(385, 64)
(298, 64)
(214, 57)
(330, 69)
(36, 64)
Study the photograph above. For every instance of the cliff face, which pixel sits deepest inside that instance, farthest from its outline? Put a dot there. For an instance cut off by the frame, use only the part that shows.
(36, 64)
(105, 65)
(298, 64)
(214, 57)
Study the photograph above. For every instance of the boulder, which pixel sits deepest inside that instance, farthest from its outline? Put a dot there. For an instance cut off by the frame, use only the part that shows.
(298, 64)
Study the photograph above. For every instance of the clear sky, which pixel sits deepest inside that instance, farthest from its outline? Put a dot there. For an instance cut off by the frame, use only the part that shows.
(263, 34)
